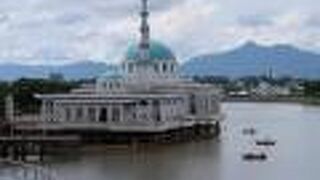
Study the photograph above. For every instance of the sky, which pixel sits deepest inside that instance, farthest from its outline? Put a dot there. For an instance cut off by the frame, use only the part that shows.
(68, 31)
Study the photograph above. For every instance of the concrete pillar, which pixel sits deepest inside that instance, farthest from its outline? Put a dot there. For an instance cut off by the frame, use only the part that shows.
(97, 113)
(109, 112)
(85, 114)
(9, 108)
(58, 112)
(121, 113)
(54, 112)
(72, 114)
(137, 111)
(162, 111)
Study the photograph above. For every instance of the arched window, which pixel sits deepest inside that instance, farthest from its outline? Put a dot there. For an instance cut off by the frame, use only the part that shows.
(79, 113)
(105, 85)
(92, 114)
(143, 103)
(103, 116)
(115, 114)
(172, 67)
(50, 107)
(156, 110)
(130, 68)
(68, 114)
(192, 104)
(164, 67)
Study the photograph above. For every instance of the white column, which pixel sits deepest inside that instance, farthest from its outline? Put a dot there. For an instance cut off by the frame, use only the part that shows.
(58, 112)
(97, 113)
(162, 111)
(65, 117)
(85, 114)
(109, 112)
(209, 104)
(137, 111)
(73, 114)
(121, 113)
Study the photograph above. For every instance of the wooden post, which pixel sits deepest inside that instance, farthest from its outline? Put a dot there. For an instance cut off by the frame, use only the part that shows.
(41, 153)
(9, 112)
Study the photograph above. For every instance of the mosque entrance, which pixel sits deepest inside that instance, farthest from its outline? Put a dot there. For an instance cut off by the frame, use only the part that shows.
(103, 117)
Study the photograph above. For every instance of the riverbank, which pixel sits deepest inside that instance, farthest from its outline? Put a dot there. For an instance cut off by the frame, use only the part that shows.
(312, 101)
(300, 100)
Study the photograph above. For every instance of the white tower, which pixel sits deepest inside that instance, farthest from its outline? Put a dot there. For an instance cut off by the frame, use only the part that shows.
(145, 32)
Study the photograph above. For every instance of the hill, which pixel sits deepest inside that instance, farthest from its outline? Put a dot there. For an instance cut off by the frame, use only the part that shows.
(253, 59)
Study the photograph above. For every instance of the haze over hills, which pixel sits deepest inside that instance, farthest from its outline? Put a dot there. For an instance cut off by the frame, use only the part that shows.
(254, 59)
(248, 59)
(72, 71)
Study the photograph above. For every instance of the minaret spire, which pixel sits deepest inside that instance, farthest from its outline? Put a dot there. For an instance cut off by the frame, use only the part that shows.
(145, 32)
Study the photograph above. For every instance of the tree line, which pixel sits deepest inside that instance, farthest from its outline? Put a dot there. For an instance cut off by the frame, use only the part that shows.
(23, 91)
(312, 89)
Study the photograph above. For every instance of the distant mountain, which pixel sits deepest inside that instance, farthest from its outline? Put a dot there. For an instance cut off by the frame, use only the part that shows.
(254, 59)
(71, 71)
(248, 59)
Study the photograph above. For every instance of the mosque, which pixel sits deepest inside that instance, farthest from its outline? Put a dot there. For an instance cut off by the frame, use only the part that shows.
(144, 98)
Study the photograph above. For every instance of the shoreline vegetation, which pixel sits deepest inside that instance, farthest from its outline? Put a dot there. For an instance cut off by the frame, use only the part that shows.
(312, 101)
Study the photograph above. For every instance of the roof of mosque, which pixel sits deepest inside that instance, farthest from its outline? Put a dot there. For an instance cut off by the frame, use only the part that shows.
(158, 52)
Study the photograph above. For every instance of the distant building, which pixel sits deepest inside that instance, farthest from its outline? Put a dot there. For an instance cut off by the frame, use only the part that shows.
(265, 89)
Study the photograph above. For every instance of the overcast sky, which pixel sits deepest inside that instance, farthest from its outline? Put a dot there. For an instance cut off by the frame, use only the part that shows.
(64, 31)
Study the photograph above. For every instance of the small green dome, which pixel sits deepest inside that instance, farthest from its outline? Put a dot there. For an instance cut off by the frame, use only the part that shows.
(158, 51)
(112, 73)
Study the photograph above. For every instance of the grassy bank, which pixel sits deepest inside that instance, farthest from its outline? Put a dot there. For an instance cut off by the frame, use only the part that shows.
(312, 100)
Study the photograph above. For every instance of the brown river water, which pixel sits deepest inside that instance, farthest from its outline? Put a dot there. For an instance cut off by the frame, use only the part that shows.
(296, 128)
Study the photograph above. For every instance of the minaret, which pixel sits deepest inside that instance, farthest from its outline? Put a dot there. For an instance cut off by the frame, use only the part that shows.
(145, 32)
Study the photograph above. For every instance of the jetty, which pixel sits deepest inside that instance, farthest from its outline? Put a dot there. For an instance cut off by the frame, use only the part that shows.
(18, 148)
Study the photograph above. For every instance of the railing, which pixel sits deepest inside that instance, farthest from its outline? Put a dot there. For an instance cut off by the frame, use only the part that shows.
(146, 126)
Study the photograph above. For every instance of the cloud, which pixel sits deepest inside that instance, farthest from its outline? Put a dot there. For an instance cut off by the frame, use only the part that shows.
(255, 20)
(313, 21)
(61, 31)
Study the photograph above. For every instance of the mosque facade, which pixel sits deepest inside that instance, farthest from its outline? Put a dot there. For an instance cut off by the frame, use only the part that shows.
(143, 97)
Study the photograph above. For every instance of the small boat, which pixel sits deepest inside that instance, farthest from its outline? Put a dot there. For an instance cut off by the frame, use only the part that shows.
(266, 142)
(251, 156)
(249, 131)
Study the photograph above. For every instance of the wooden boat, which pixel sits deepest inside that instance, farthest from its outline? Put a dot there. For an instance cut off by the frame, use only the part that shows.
(251, 156)
(266, 142)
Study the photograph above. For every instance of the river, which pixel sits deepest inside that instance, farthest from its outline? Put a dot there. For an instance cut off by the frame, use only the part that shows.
(295, 127)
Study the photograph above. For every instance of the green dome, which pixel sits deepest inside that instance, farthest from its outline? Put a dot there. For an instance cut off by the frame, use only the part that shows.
(112, 73)
(158, 51)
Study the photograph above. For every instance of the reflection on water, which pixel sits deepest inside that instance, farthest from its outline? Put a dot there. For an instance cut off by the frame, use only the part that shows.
(294, 157)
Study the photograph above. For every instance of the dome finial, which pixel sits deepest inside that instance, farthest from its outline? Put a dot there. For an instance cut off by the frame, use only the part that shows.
(145, 32)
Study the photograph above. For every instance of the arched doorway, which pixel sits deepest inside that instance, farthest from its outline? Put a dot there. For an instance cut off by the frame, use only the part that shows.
(103, 116)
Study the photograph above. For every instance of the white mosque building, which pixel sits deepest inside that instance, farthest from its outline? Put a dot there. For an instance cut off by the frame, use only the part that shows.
(144, 97)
